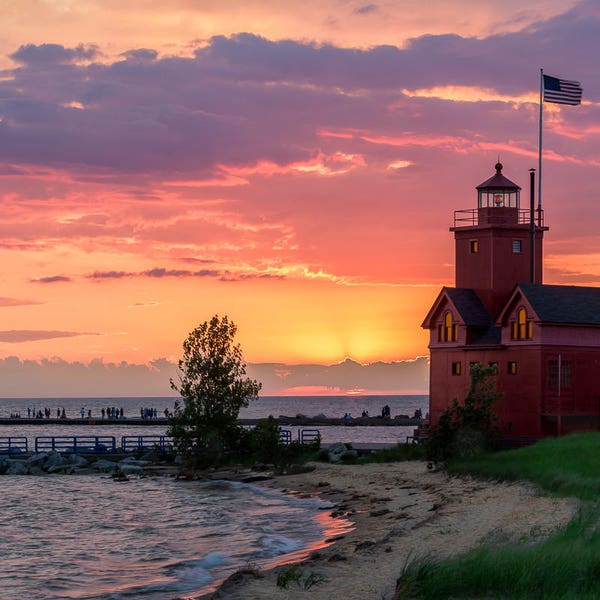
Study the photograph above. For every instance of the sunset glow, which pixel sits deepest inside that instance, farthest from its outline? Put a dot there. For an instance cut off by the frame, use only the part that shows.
(295, 168)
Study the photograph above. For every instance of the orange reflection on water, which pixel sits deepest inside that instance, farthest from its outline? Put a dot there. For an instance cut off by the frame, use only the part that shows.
(333, 528)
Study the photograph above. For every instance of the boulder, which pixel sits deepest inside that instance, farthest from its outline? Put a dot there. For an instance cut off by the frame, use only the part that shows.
(106, 466)
(339, 451)
(38, 459)
(129, 469)
(77, 460)
(17, 467)
(54, 459)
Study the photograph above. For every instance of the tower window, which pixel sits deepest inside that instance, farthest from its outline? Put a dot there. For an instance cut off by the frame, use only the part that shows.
(456, 368)
(512, 367)
(474, 246)
(448, 330)
(522, 328)
(516, 246)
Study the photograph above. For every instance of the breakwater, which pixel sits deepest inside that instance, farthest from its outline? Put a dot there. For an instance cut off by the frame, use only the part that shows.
(301, 421)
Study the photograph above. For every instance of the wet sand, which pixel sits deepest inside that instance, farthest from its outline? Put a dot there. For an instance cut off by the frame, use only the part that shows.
(402, 511)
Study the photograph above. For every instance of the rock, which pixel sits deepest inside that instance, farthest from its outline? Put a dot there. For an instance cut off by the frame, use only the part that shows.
(336, 452)
(106, 466)
(54, 459)
(37, 459)
(77, 460)
(339, 451)
(65, 469)
(366, 545)
(17, 467)
(128, 469)
(379, 513)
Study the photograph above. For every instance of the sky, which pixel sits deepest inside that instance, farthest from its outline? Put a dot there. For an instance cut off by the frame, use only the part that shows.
(294, 166)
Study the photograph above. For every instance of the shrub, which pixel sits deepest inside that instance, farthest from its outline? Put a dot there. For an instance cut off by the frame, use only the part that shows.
(465, 429)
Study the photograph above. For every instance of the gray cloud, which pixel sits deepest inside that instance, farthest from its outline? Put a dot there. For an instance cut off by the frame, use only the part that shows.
(243, 98)
(16, 302)
(48, 54)
(52, 279)
(365, 9)
(16, 336)
(57, 377)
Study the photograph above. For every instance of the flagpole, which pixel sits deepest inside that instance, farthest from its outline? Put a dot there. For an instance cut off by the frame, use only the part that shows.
(539, 208)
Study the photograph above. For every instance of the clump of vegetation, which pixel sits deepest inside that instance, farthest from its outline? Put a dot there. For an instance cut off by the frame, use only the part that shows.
(565, 565)
(294, 574)
(398, 453)
(264, 445)
(467, 428)
(565, 466)
(213, 388)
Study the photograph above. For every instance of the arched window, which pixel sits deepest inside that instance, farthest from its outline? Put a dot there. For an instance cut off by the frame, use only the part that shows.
(448, 330)
(522, 328)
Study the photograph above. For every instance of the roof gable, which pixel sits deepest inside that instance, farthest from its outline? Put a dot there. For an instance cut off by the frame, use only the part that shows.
(465, 303)
(567, 304)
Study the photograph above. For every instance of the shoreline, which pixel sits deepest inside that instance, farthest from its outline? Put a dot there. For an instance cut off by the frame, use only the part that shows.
(400, 511)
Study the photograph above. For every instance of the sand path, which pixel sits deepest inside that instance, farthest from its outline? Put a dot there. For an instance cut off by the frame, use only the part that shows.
(401, 511)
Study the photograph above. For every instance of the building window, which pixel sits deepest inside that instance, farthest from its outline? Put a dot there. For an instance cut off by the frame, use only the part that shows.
(516, 246)
(512, 367)
(522, 328)
(559, 371)
(493, 365)
(474, 246)
(456, 368)
(448, 330)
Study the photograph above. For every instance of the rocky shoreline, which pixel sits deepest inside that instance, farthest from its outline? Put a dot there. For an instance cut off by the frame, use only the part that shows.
(48, 463)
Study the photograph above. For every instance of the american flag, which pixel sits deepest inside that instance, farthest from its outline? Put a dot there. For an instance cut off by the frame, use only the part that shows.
(562, 91)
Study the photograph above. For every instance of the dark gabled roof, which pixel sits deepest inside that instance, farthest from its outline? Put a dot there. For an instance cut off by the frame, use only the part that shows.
(469, 307)
(564, 303)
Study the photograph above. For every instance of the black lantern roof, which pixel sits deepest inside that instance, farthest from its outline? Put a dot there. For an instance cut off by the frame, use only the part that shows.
(498, 182)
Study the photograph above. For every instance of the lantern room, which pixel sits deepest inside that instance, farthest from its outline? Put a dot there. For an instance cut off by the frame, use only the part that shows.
(498, 191)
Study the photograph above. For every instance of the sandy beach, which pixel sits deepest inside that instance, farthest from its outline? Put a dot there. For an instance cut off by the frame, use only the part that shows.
(401, 511)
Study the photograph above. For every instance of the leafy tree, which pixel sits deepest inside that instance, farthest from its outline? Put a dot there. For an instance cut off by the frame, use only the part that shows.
(213, 389)
(466, 428)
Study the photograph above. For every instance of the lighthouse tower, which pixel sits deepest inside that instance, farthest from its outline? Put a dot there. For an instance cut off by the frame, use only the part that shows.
(493, 249)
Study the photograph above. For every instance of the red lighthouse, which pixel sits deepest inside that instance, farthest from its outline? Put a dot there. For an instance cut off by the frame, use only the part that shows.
(544, 339)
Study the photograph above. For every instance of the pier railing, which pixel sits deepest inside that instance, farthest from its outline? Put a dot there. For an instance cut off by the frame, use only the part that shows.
(89, 444)
(13, 445)
(309, 436)
(285, 437)
(138, 443)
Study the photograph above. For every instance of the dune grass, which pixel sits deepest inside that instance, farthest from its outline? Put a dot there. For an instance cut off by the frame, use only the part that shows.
(566, 466)
(397, 453)
(566, 565)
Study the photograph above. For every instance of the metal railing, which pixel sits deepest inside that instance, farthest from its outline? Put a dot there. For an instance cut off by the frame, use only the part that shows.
(13, 445)
(470, 217)
(137, 443)
(308, 436)
(86, 444)
(285, 437)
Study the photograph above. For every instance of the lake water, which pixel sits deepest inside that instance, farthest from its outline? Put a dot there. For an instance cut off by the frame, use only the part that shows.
(330, 406)
(156, 538)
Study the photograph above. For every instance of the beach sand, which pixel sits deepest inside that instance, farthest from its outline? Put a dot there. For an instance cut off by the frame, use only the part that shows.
(402, 511)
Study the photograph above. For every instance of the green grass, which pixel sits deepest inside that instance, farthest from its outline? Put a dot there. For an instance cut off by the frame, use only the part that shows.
(397, 453)
(566, 466)
(566, 565)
